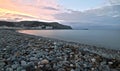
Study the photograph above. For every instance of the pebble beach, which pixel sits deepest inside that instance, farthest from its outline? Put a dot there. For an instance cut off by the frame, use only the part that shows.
(23, 52)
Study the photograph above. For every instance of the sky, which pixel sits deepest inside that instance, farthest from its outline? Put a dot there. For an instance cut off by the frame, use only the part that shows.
(82, 5)
(46, 9)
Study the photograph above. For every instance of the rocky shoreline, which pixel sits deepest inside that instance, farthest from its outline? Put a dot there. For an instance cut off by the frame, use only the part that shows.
(22, 52)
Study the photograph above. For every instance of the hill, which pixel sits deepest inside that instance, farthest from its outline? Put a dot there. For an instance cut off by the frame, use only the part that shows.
(34, 24)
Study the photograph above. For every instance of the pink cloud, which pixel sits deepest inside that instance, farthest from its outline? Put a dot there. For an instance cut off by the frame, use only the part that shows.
(42, 9)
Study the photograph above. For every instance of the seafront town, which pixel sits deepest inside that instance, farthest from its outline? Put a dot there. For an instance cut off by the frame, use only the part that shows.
(22, 52)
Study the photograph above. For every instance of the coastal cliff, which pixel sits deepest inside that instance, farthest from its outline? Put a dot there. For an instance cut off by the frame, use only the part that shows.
(32, 25)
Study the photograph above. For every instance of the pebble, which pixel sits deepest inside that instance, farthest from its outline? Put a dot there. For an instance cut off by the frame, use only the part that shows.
(93, 60)
(9, 69)
(14, 66)
(61, 69)
(4, 49)
(33, 58)
(72, 70)
(110, 63)
(19, 68)
(23, 70)
(23, 63)
(45, 61)
(77, 69)
(71, 65)
(2, 63)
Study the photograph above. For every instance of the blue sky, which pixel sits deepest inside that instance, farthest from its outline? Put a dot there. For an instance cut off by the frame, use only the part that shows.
(82, 4)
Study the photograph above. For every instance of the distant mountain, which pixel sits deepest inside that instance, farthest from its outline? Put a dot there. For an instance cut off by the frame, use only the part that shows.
(30, 24)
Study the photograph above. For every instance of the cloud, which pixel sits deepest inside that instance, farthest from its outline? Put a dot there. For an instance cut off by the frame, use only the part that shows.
(42, 9)
(51, 8)
(14, 16)
(115, 2)
(104, 15)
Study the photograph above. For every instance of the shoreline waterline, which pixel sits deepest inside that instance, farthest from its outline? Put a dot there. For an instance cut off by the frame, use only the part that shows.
(101, 38)
(87, 47)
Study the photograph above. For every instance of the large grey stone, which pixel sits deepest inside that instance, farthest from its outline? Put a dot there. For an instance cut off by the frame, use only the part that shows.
(23, 63)
(19, 69)
(45, 61)
(61, 69)
(33, 58)
(14, 66)
(9, 69)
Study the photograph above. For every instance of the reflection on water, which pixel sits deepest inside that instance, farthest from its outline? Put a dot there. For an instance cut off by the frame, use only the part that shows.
(109, 39)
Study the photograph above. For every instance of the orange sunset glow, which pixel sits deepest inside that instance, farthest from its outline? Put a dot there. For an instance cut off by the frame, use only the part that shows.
(33, 9)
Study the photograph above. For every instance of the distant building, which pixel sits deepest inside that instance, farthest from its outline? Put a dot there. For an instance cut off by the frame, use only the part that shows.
(48, 27)
(40, 27)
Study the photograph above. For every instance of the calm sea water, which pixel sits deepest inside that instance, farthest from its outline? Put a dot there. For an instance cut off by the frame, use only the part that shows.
(102, 38)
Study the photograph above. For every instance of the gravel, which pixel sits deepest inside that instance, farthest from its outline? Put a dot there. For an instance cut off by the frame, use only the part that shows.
(22, 52)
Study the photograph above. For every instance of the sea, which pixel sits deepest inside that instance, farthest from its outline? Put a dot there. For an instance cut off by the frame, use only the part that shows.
(102, 38)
